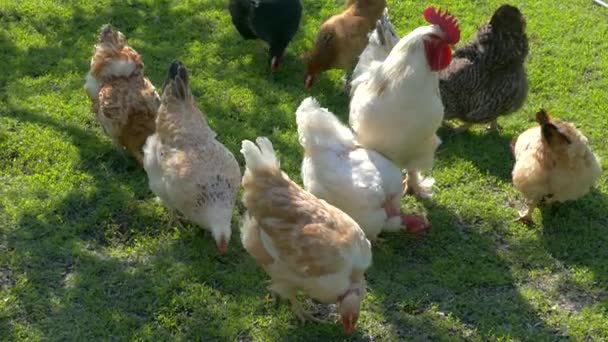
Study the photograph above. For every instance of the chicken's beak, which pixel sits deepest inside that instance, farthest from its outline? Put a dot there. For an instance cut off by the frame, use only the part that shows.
(274, 64)
(222, 246)
(310, 79)
(348, 324)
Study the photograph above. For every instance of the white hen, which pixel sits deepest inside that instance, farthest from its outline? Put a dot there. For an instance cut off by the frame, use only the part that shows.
(361, 182)
(396, 107)
(188, 169)
(381, 42)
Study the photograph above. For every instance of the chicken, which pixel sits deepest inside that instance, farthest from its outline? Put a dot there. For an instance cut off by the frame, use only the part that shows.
(302, 242)
(188, 169)
(487, 78)
(381, 42)
(273, 21)
(362, 183)
(122, 98)
(553, 163)
(396, 108)
(342, 38)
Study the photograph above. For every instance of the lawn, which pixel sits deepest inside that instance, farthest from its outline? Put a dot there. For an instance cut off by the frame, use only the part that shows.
(86, 253)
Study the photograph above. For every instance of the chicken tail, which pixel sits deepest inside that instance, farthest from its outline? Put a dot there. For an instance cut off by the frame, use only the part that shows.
(387, 35)
(319, 128)
(260, 157)
(176, 84)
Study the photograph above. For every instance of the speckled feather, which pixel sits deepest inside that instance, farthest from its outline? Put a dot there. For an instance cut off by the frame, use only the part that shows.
(124, 101)
(487, 78)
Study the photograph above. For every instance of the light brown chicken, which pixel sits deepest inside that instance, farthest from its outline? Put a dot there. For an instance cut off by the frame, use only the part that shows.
(302, 242)
(188, 169)
(553, 164)
(342, 38)
(123, 99)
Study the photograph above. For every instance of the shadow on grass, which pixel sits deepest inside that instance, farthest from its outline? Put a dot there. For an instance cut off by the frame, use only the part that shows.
(489, 152)
(451, 283)
(576, 233)
(64, 254)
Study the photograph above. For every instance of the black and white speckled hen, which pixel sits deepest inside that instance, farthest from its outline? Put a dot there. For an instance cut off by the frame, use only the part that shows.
(486, 78)
(273, 21)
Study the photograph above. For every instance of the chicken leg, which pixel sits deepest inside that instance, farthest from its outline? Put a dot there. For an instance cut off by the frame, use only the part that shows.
(286, 291)
(301, 313)
(494, 126)
(174, 219)
(414, 185)
(525, 216)
(462, 128)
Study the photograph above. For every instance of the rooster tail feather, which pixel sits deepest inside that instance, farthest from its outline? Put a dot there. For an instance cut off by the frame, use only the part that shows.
(386, 32)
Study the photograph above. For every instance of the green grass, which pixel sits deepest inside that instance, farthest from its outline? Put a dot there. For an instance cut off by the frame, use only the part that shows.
(85, 252)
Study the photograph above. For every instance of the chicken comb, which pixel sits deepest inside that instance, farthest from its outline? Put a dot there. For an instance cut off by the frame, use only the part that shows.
(447, 22)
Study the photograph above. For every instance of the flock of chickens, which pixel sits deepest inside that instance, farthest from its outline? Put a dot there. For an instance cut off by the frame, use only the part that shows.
(401, 90)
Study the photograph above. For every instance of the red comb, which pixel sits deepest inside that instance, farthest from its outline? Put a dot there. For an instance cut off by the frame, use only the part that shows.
(448, 23)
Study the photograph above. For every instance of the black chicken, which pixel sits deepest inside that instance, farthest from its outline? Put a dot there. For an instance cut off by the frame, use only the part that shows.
(486, 78)
(273, 21)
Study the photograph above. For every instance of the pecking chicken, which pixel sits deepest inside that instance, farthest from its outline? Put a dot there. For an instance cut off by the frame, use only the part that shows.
(487, 78)
(273, 21)
(188, 169)
(342, 38)
(396, 108)
(361, 182)
(302, 242)
(553, 163)
(122, 98)
(381, 42)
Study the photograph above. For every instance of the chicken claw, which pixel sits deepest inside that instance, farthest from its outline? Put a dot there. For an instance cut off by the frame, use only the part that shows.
(525, 218)
(421, 188)
(303, 315)
(494, 127)
(462, 128)
(174, 219)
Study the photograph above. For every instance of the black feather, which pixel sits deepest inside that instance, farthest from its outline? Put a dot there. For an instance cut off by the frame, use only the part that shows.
(273, 21)
(177, 80)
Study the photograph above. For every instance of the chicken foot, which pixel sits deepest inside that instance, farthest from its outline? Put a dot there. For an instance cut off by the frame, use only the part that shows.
(525, 216)
(348, 78)
(282, 290)
(420, 187)
(174, 219)
(462, 128)
(301, 313)
(494, 126)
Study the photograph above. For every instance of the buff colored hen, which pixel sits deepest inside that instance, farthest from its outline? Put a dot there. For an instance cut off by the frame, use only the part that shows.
(123, 99)
(553, 164)
(302, 242)
(188, 169)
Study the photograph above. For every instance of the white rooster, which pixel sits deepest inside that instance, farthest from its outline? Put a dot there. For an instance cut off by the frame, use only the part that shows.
(361, 182)
(381, 42)
(396, 106)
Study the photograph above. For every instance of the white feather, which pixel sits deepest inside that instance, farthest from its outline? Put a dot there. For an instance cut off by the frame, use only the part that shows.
(118, 68)
(92, 87)
(334, 168)
(396, 108)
